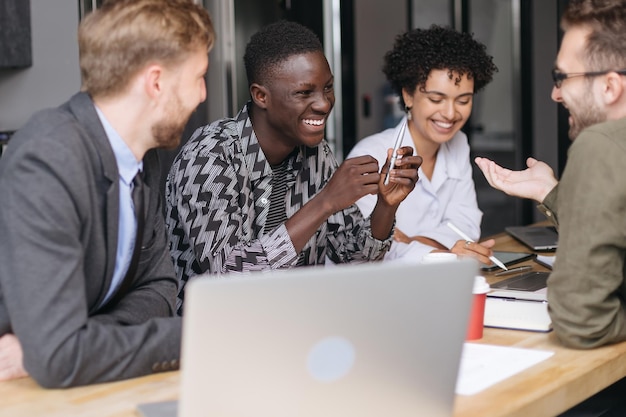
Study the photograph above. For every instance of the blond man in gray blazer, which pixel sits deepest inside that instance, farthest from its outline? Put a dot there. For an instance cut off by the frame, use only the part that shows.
(80, 302)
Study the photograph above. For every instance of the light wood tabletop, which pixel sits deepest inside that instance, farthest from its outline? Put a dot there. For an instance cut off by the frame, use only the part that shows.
(546, 389)
(23, 397)
(552, 386)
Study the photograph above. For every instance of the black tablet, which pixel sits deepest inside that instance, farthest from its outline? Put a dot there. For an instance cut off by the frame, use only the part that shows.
(508, 258)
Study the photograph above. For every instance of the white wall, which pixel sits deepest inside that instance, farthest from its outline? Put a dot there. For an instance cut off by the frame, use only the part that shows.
(54, 75)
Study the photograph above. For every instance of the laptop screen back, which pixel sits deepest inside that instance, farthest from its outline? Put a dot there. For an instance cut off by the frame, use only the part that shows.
(539, 238)
(366, 340)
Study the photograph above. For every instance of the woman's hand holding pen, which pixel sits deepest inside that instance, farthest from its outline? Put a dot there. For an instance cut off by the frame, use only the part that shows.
(479, 250)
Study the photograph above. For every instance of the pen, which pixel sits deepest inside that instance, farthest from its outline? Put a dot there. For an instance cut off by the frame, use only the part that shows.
(394, 155)
(464, 236)
(514, 270)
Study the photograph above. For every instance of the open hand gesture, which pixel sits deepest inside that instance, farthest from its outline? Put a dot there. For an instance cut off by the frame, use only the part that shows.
(534, 182)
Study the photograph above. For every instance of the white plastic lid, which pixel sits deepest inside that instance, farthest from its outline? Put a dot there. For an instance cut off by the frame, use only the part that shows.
(480, 285)
(434, 257)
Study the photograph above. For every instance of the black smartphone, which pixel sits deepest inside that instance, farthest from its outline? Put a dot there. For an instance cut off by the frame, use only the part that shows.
(508, 258)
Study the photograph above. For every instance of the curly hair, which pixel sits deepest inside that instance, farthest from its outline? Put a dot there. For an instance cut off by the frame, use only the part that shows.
(419, 51)
(606, 44)
(273, 44)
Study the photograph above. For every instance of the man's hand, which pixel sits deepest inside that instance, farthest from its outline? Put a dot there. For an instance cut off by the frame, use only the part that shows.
(402, 178)
(355, 178)
(11, 366)
(535, 182)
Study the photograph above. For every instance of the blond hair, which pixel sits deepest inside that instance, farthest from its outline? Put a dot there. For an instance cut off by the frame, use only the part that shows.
(117, 40)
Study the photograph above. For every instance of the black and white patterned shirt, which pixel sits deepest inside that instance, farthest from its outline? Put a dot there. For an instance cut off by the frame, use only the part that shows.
(218, 199)
(277, 214)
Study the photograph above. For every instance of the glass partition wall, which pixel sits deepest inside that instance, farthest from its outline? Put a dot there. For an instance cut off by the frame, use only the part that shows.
(86, 6)
(509, 121)
(500, 119)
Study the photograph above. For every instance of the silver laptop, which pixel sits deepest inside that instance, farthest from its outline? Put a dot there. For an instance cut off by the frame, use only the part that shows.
(367, 340)
(539, 238)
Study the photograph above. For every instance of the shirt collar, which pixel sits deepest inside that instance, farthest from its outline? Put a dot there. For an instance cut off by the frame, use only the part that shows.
(253, 153)
(446, 161)
(127, 165)
(445, 158)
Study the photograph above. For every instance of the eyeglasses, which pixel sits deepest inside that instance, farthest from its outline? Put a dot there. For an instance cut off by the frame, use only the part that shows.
(558, 77)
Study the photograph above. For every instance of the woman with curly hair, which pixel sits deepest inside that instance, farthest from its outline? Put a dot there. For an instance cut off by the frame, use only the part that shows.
(436, 73)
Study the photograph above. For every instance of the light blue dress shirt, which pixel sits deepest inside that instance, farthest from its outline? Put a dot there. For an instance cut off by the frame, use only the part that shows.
(128, 167)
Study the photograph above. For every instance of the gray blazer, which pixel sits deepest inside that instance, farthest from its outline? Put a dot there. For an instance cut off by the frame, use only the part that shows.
(59, 203)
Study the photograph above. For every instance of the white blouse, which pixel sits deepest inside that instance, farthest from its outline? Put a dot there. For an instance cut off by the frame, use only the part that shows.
(449, 196)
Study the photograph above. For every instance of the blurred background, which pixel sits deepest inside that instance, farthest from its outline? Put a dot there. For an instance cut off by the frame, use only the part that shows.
(513, 118)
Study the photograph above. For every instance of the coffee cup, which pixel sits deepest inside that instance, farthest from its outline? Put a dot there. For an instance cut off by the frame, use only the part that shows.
(436, 257)
(477, 314)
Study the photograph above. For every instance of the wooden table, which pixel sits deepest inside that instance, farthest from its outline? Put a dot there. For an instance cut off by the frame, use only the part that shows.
(546, 389)
(550, 387)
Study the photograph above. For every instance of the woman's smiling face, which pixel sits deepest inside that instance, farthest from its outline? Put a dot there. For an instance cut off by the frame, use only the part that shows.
(441, 107)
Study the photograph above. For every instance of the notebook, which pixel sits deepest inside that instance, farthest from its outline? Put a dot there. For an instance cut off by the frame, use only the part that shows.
(519, 302)
(367, 340)
(519, 310)
(539, 238)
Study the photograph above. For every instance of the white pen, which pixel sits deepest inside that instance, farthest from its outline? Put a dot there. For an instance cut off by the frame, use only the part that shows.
(467, 239)
(522, 268)
(394, 155)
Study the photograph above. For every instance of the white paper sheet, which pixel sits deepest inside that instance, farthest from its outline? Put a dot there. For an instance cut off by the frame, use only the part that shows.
(485, 365)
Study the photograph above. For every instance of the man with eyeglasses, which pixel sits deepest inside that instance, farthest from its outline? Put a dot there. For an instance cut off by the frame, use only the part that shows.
(558, 77)
(587, 288)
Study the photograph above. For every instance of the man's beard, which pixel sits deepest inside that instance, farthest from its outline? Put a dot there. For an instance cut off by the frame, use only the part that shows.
(167, 133)
(588, 114)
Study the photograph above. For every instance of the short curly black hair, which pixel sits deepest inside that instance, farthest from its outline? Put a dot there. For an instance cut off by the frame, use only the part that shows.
(417, 52)
(273, 44)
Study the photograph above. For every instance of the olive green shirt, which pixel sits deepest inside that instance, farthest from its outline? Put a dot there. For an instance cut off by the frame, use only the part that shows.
(587, 288)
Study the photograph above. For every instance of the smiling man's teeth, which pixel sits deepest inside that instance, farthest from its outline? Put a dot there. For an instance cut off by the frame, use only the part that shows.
(444, 125)
(313, 122)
